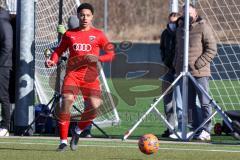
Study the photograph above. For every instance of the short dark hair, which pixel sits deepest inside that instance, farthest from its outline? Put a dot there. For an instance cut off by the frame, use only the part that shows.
(85, 6)
(174, 14)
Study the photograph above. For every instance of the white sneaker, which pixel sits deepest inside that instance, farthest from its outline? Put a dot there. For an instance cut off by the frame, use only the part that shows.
(204, 136)
(4, 132)
(173, 136)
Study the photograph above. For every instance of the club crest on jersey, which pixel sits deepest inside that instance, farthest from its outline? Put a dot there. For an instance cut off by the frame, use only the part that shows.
(92, 38)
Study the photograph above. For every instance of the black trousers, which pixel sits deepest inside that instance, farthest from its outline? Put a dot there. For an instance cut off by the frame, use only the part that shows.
(4, 97)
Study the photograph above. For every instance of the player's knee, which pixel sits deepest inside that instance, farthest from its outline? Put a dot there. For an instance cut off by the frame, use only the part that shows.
(67, 102)
(96, 102)
(68, 97)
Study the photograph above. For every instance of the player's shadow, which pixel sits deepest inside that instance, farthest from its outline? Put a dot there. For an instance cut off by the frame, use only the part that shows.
(26, 149)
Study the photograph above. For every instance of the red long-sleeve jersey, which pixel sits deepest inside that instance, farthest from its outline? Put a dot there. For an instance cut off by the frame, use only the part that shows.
(81, 43)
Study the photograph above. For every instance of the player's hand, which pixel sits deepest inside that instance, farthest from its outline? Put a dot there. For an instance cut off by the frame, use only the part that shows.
(199, 63)
(49, 63)
(91, 58)
(61, 29)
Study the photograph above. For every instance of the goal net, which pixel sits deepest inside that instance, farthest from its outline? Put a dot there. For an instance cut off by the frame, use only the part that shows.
(46, 36)
(224, 19)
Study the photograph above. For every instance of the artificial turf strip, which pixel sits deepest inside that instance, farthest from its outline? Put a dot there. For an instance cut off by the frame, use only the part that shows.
(45, 149)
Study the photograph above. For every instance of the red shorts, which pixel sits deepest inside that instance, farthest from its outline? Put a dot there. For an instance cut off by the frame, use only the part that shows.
(74, 83)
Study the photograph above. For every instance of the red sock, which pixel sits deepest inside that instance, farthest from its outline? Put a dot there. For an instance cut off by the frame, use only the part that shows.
(63, 123)
(86, 118)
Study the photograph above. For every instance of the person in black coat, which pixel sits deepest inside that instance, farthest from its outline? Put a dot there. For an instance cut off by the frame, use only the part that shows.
(167, 51)
(6, 46)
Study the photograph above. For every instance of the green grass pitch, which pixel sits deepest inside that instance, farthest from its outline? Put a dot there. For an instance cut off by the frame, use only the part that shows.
(39, 148)
(22, 148)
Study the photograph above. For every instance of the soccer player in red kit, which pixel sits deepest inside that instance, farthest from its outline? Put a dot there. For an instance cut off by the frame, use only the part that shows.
(84, 44)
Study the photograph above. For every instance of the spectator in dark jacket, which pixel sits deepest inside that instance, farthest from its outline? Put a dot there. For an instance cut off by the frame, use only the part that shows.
(6, 46)
(12, 9)
(167, 50)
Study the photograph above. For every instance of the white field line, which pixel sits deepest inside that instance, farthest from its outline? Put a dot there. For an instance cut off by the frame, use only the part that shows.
(127, 146)
(102, 140)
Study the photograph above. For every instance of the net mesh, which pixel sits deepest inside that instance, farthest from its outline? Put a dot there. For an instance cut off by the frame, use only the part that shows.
(46, 36)
(224, 19)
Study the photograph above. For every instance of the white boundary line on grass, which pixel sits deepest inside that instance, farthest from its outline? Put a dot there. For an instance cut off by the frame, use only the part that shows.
(127, 146)
(103, 140)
